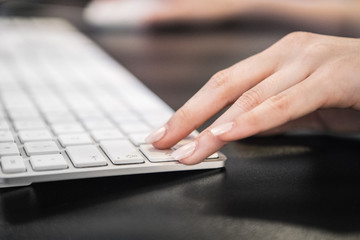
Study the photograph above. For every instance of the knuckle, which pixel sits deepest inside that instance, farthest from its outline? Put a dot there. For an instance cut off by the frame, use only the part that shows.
(253, 120)
(316, 49)
(184, 116)
(295, 40)
(298, 37)
(250, 99)
(219, 79)
(280, 104)
(183, 113)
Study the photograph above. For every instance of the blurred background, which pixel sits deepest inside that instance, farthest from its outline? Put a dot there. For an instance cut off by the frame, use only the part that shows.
(188, 41)
(283, 187)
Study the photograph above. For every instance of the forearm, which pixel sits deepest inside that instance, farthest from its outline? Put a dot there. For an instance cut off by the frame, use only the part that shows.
(332, 15)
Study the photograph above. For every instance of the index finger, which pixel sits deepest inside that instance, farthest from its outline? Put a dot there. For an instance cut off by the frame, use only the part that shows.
(222, 89)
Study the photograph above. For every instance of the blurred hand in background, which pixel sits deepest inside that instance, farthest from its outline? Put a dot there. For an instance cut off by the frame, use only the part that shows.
(143, 13)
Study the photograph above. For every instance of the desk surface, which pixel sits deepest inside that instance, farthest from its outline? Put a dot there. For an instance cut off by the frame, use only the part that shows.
(280, 187)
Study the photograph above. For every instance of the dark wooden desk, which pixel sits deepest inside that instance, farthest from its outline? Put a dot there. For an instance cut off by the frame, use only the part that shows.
(280, 187)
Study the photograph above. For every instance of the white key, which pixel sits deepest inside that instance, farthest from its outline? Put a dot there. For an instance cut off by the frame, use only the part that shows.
(124, 117)
(138, 138)
(75, 139)
(213, 156)
(98, 124)
(34, 135)
(13, 164)
(48, 162)
(35, 148)
(53, 118)
(156, 155)
(6, 136)
(29, 125)
(156, 119)
(89, 114)
(121, 152)
(26, 115)
(67, 128)
(134, 127)
(110, 134)
(86, 156)
(8, 149)
(4, 125)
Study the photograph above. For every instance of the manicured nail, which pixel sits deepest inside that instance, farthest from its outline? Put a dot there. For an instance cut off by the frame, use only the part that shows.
(156, 135)
(185, 151)
(221, 129)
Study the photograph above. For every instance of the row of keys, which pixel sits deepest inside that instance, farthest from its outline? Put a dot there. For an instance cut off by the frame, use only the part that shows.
(41, 141)
(119, 152)
(72, 137)
(46, 156)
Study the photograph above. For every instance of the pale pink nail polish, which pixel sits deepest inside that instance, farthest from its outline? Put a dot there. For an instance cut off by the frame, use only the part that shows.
(185, 151)
(156, 135)
(221, 129)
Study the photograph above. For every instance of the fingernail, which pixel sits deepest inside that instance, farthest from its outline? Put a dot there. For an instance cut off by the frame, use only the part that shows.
(156, 135)
(185, 151)
(221, 129)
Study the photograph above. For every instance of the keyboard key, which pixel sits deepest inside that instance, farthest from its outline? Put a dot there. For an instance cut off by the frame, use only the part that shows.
(13, 164)
(156, 155)
(74, 127)
(86, 156)
(35, 148)
(89, 114)
(75, 139)
(138, 138)
(157, 119)
(24, 115)
(120, 118)
(34, 135)
(8, 149)
(59, 117)
(6, 136)
(48, 162)
(4, 125)
(134, 127)
(110, 134)
(95, 124)
(213, 156)
(121, 152)
(29, 125)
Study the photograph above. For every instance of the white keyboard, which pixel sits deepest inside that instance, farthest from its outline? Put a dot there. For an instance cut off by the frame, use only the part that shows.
(69, 111)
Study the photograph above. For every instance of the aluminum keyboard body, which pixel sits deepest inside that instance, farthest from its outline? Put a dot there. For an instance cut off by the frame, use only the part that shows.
(69, 111)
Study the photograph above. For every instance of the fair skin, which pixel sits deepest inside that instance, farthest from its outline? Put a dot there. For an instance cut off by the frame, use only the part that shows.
(301, 73)
(324, 15)
(322, 12)
(280, 88)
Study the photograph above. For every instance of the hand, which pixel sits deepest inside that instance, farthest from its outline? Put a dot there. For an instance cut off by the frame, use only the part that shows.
(299, 74)
(322, 14)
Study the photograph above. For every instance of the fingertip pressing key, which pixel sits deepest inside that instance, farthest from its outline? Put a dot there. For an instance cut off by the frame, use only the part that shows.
(156, 135)
(184, 151)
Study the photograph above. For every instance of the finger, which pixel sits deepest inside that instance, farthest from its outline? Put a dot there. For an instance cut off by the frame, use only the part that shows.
(310, 122)
(274, 84)
(277, 110)
(199, 149)
(222, 89)
(206, 143)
